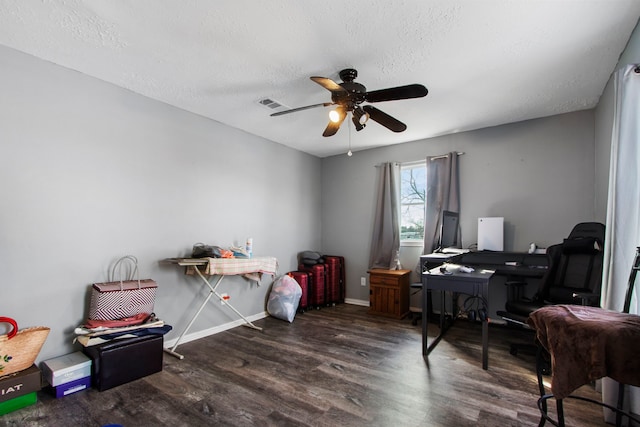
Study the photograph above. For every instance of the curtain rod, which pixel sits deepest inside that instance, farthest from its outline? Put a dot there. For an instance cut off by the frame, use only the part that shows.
(459, 153)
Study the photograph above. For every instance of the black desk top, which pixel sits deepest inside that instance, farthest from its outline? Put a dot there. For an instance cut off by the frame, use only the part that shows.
(504, 263)
(454, 270)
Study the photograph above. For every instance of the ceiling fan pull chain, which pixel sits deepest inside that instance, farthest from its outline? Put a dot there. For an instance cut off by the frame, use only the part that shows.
(349, 153)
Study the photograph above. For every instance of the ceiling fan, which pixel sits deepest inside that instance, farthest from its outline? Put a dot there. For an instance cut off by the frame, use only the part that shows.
(348, 96)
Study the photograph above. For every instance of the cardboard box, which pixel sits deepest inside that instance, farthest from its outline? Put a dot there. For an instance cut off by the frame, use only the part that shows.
(67, 368)
(20, 383)
(71, 387)
(123, 360)
(18, 403)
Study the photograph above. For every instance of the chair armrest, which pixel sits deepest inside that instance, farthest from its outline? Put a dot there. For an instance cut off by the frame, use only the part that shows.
(586, 298)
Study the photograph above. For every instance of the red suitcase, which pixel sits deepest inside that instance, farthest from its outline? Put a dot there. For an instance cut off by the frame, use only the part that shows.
(317, 274)
(335, 281)
(303, 280)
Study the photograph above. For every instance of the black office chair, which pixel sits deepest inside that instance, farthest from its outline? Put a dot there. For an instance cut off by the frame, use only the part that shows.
(574, 276)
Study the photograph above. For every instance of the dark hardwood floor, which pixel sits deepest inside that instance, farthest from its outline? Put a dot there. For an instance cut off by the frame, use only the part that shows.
(337, 366)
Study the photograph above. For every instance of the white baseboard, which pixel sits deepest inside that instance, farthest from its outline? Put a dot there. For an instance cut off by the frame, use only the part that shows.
(212, 331)
(364, 303)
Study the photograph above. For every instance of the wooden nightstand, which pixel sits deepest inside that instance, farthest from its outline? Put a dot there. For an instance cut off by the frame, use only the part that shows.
(389, 292)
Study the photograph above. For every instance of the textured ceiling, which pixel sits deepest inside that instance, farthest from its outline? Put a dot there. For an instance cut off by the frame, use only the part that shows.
(485, 62)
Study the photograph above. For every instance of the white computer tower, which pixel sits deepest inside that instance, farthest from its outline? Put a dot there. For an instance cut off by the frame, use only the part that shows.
(491, 234)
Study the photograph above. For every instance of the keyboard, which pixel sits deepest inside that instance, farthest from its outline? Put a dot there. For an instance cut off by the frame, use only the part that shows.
(456, 251)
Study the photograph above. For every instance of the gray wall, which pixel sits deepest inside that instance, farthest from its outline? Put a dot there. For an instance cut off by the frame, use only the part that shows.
(90, 172)
(538, 175)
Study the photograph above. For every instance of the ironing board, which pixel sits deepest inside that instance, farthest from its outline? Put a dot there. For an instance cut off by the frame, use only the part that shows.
(216, 269)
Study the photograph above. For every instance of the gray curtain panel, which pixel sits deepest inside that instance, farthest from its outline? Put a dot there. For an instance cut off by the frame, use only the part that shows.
(623, 228)
(443, 194)
(385, 240)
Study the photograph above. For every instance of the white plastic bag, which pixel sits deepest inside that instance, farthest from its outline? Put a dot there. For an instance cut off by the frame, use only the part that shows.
(284, 298)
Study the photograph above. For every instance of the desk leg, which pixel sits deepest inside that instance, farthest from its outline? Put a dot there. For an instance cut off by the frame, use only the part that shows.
(485, 344)
(475, 289)
(485, 328)
(426, 349)
(425, 315)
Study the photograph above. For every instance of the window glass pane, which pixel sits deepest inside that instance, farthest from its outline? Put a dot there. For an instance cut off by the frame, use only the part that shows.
(412, 198)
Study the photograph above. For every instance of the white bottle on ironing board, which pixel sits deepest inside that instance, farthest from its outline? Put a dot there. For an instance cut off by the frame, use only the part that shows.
(249, 247)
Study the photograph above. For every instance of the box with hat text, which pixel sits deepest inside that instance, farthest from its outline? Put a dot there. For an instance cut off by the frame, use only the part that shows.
(19, 389)
(20, 383)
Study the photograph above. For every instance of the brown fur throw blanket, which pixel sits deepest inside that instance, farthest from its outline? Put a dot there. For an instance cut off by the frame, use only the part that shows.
(587, 343)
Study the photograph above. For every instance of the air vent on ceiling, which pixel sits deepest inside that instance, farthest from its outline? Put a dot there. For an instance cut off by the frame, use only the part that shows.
(270, 103)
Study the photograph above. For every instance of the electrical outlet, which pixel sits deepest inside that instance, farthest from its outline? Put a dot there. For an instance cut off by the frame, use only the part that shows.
(363, 281)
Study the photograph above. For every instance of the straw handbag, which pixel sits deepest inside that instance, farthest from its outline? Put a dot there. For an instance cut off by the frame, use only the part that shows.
(19, 348)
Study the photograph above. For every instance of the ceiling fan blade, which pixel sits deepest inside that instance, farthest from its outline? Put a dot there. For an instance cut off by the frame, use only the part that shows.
(333, 127)
(293, 110)
(328, 84)
(395, 93)
(384, 119)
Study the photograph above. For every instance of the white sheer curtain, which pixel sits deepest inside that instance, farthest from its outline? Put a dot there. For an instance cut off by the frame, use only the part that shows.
(443, 193)
(623, 210)
(385, 240)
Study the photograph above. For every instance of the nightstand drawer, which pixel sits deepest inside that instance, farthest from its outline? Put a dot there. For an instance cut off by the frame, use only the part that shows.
(376, 279)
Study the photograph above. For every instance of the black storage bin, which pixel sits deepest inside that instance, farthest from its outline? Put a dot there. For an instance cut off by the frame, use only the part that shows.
(123, 360)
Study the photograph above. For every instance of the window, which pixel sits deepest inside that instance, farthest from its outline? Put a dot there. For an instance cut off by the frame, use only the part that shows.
(413, 182)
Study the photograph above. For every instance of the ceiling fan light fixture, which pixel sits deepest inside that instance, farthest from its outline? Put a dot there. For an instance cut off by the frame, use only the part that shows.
(360, 116)
(359, 126)
(335, 115)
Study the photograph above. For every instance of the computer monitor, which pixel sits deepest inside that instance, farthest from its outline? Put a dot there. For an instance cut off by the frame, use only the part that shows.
(449, 230)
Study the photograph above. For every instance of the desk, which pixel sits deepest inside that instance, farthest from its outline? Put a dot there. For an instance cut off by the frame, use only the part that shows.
(486, 265)
(520, 264)
(251, 268)
(474, 283)
(513, 265)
